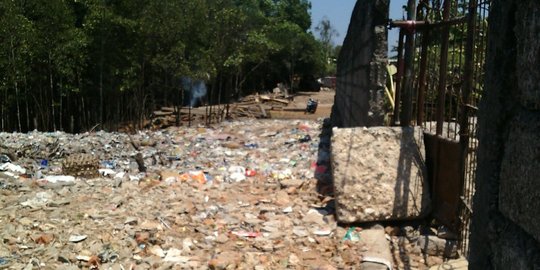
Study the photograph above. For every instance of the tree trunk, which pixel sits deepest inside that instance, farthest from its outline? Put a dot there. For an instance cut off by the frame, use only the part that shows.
(51, 85)
(61, 108)
(15, 84)
(142, 94)
(219, 115)
(3, 112)
(291, 79)
(42, 105)
(41, 112)
(72, 124)
(27, 107)
(180, 105)
(101, 86)
(86, 122)
(18, 107)
(36, 124)
(28, 128)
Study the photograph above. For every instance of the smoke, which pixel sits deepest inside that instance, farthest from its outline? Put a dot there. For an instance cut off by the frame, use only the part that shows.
(196, 88)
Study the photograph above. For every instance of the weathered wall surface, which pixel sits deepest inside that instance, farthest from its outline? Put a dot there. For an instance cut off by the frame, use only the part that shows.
(506, 219)
(379, 174)
(361, 67)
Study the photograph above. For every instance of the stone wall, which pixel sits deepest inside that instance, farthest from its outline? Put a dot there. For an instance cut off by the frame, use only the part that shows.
(361, 67)
(506, 219)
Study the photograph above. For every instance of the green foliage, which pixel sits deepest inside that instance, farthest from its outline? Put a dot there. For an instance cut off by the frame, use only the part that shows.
(326, 34)
(72, 64)
(390, 93)
(296, 12)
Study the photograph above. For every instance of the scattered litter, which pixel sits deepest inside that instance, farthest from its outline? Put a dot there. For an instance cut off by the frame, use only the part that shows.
(246, 234)
(305, 139)
(251, 173)
(59, 178)
(83, 258)
(107, 172)
(44, 164)
(323, 232)
(351, 235)
(4, 159)
(175, 256)
(39, 200)
(157, 250)
(108, 255)
(251, 145)
(240, 194)
(237, 173)
(10, 167)
(77, 238)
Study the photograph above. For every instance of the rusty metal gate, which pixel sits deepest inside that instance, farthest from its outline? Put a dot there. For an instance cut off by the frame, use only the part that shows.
(441, 56)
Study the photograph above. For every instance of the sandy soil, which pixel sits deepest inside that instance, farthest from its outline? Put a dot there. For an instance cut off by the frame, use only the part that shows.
(295, 109)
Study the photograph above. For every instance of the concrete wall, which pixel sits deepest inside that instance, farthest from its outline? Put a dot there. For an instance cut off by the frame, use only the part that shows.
(379, 174)
(361, 67)
(506, 218)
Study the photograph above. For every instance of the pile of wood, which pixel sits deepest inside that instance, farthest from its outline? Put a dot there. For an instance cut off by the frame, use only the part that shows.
(257, 106)
(242, 110)
(279, 99)
(252, 106)
(165, 115)
(171, 116)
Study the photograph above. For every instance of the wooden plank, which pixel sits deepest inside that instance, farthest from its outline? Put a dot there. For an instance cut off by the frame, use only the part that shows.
(162, 113)
(269, 99)
(293, 109)
(167, 109)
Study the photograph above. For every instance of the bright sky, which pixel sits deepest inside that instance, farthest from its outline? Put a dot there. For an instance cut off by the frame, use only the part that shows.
(339, 13)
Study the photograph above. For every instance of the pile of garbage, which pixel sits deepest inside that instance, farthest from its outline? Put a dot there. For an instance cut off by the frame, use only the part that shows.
(240, 194)
(237, 195)
(274, 149)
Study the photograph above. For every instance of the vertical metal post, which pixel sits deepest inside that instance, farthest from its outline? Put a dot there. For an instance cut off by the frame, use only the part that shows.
(422, 78)
(191, 98)
(406, 116)
(468, 75)
(464, 131)
(399, 76)
(443, 68)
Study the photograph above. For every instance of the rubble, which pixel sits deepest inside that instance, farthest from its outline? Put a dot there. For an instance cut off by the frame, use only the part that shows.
(235, 195)
(433, 245)
(378, 249)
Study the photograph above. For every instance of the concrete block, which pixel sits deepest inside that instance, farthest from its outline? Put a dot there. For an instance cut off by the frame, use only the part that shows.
(379, 174)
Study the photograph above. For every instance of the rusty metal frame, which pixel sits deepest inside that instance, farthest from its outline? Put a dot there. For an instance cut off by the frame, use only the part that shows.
(423, 25)
(399, 76)
(407, 87)
(422, 79)
(448, 73)
(443, 68)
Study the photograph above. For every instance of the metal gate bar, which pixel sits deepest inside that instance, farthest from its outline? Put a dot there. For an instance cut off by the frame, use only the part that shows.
(443, 92)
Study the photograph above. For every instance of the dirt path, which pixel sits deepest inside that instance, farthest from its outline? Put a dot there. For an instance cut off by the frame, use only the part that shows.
(295, 109)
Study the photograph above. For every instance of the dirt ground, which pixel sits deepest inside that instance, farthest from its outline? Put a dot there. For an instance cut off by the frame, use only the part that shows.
(295, 109)
(244, 194)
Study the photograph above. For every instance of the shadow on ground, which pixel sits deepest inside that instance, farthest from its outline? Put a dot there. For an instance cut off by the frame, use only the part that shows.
(323, 170)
